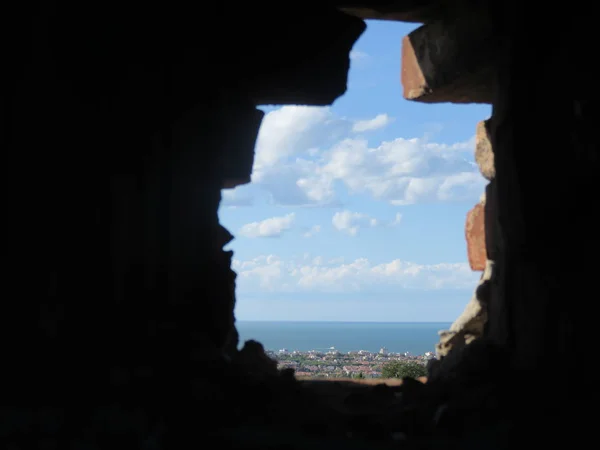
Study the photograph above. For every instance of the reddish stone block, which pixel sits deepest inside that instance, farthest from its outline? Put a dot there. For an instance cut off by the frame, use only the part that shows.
(475, 234)
(412, 77)
(444, 61)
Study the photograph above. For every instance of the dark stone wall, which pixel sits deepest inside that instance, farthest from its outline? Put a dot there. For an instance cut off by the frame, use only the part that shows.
(122, 122)
(546, 163)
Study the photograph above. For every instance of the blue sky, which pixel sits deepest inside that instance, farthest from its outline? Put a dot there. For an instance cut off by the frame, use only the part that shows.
(356, 211)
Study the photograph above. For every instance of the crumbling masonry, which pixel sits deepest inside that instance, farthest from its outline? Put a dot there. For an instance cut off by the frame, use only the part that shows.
(122, 122)
(470, 325)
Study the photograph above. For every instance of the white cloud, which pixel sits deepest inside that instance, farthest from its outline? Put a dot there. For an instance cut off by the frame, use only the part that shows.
(312, 231)
(304, 156)
(375, 123)
(397, 220)
(272, 227)
(350, 222)
(265, 270)
(359, 59)
(233, 198)
(271, 273)
(357, 55)
(405, 171)
(288, 131)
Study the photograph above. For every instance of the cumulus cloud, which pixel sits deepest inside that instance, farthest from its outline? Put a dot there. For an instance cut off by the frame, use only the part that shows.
(273, 227)
(234, 198)
(312, 231)
(349, 222)
(405, 171)
(289, 131)
(304, 156)
(375, 123)
(273, 274)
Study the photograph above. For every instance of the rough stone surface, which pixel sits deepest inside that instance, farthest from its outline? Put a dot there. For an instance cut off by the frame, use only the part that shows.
(471, 323)
(127, 305)
(418, 11)
(484, 154)
(473, 317)
(238, 148)
(475, 234)
(492, 227)
(121, 295)
(547, 269)
(449, 61)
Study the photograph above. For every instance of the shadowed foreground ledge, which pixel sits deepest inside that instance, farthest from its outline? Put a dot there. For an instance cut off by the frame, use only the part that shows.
(367, 381)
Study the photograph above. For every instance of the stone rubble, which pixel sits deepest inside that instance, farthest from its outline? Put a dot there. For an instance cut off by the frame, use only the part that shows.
(470, 325)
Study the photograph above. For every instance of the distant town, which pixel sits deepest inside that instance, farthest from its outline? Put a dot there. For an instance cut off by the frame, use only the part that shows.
(335, 364)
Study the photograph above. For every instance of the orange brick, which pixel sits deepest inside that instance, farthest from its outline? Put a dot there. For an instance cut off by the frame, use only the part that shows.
(475, 234)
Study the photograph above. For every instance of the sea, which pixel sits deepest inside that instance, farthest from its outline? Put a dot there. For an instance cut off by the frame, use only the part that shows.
(416, 338)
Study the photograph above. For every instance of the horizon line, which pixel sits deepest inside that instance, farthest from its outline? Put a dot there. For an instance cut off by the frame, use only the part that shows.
(341, 321)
